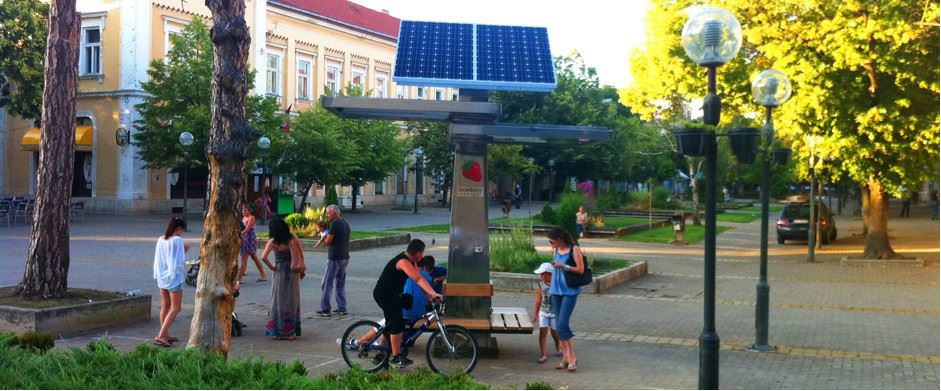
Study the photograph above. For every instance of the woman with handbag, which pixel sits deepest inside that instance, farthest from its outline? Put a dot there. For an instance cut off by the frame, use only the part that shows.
(567, 258)
(284, 318)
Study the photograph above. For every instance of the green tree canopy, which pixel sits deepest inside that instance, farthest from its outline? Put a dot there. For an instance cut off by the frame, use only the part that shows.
(23, 30)
(180, 93)
(865, 80)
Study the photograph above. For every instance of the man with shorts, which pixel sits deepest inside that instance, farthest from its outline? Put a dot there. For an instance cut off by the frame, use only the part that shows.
(388, 294)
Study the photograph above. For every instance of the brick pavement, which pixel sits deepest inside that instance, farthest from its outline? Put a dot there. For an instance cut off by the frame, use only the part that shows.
(868, 327)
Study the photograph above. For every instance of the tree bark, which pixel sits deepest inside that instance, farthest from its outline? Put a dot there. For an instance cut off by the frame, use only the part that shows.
(876, 219)
(47, 264)
(228, 150)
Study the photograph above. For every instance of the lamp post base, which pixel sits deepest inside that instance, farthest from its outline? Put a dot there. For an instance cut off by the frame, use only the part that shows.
(761, 348)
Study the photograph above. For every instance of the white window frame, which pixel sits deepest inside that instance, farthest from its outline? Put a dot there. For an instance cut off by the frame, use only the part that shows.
(401, 92)
(84, 45)
(359, 73)
(331, 85)
(305, 81)
(276, 90)
(439, 95)
(382, 85)
(379, 187)
(421, 93)
(169, 30)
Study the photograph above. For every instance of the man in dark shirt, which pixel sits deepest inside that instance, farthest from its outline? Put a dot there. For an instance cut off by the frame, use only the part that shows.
(338, 257)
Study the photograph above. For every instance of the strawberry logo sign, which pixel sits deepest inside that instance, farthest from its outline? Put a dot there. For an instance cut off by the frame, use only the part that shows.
(472, 170)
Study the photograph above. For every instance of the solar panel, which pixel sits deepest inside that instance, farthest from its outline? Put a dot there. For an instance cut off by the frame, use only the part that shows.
(474, 56)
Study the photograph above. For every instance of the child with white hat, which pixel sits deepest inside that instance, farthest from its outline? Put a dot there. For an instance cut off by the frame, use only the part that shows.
(545, 314)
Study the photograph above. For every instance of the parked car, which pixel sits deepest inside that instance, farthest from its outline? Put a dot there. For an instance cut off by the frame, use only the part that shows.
(794, 222)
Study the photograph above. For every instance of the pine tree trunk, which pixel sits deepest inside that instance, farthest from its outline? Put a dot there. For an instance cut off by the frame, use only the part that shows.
(876, 218)
(227, 151)
(47, 264)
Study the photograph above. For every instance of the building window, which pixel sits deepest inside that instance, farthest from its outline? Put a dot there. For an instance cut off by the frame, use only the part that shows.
(273, 75)
(421, 92)
(303, 79)
(90, 61)
(380, 187)
(381, 85)
(401, 92)
(169, 33)
(439, 95)
(454, 96)
(333, 80)
(359, 79)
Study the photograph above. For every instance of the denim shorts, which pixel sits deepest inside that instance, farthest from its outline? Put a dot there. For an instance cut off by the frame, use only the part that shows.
(176, 288)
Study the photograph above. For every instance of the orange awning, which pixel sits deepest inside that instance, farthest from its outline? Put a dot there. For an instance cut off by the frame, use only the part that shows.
(84, 136)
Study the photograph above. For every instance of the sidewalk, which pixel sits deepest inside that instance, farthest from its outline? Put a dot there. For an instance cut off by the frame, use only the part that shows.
(860, 327)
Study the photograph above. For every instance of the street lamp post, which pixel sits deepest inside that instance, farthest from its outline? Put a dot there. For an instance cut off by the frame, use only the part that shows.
(186, 139)
(551, 178)
(264, 143)
(770, 89)
(418, 173)
(710, 38)
(532, 172)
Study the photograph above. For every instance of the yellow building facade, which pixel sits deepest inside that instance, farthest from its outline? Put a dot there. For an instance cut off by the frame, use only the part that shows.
(300, 51)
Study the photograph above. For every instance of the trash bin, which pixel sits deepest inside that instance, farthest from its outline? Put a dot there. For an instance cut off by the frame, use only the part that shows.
(285, 204)
(679, 228)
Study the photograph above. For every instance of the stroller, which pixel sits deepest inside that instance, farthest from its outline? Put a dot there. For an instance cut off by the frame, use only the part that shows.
(192, 273)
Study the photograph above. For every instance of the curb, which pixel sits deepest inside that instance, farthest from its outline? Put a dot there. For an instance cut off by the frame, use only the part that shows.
(882, 262)
(529, 282)
(362, 244)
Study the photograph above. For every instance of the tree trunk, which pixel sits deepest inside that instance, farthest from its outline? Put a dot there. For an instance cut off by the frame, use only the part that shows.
(227, 151)
(876, 218)
(306, 192)
(353, 191)
(47, 264)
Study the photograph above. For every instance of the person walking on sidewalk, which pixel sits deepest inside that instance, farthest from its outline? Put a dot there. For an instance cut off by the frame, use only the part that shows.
(338, 257)
(564, 296)
(169, 257)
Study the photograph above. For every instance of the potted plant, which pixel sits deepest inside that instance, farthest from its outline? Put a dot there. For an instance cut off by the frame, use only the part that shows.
(744, 142)
(781, 155)
(691, 138)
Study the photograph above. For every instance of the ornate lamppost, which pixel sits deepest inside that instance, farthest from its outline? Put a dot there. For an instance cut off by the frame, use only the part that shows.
(186, 139)
(711, 38)
(770, 89)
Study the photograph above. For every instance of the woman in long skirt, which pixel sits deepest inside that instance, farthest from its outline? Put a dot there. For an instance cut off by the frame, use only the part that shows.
(284, 317)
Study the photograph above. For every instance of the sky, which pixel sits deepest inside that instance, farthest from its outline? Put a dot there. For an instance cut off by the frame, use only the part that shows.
(603, 31)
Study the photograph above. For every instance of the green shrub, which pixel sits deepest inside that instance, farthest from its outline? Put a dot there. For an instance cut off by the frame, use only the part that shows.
(547, 215)
(330, 197)
(513, 251)
(30, 340)
(295, 221)
(539, 385)
(662, 198)
(607, 202)
(565, 213)
(146, 367)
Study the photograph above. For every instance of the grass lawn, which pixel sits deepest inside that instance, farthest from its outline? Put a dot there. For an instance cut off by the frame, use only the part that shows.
(524, 221)
(738, 217)
(354, 235)
(598, 266)
(694, 234)
(772, 208)
(430, 229)
(621, 221)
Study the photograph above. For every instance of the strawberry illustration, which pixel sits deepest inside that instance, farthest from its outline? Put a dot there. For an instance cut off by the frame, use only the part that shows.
(472, 170)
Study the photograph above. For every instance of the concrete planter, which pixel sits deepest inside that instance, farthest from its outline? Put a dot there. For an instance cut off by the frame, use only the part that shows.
(78, 318)
(530, 282)
(361, 244)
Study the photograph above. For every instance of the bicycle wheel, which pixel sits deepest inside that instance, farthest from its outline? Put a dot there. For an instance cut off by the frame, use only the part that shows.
(369, 355)
(462, 358)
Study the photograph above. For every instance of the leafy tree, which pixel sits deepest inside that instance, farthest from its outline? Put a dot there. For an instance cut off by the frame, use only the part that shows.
(432, 138)
(47, 259)
(180, 94)
(865, 78)
(317, 150)
(23, 29)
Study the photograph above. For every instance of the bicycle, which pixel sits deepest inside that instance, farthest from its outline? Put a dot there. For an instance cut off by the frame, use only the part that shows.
(454, 350)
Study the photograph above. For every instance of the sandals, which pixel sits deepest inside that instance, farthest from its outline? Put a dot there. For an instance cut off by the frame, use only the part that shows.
(163, 344)
(173, 339)
(261, 280)
(562, 365)
(541, 359)
(573, 366)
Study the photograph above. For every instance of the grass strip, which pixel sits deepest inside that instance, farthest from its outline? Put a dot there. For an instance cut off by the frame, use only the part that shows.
(729, 217)
(101, 366)
(693, 234)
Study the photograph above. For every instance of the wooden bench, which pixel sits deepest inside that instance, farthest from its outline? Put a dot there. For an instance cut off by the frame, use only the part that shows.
(503, 320)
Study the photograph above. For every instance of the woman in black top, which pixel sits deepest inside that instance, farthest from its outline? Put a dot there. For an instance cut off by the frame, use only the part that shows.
(389, 287)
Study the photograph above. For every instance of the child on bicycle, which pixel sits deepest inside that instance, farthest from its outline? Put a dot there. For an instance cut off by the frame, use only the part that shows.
(545, 314)
(414, 314)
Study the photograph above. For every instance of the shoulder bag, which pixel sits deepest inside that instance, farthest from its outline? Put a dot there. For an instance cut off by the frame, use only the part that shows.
(575, 280)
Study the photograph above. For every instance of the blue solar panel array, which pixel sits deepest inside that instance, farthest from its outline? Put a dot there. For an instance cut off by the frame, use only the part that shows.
(459, 55)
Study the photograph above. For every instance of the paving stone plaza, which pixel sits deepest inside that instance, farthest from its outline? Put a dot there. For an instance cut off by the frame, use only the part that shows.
(836, 326)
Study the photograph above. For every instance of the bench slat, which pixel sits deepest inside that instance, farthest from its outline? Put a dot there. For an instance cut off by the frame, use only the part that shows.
(525, 321)
(496, 322)
(511, 321)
